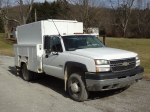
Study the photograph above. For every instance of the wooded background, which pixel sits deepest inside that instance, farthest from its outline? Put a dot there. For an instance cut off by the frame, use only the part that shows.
(118, 18)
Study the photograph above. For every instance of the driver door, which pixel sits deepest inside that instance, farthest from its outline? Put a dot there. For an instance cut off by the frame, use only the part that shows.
(53, 64)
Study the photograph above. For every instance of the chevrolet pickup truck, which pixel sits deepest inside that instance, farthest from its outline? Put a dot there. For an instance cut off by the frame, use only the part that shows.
(81, 60)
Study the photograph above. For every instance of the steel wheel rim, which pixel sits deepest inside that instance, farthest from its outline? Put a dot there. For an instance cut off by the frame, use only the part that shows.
(75, 90)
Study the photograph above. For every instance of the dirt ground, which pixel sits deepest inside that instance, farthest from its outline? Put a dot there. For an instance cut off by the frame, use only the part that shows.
(46, 94)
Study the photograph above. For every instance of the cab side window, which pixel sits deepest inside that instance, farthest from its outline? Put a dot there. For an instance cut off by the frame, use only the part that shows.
(56, 44)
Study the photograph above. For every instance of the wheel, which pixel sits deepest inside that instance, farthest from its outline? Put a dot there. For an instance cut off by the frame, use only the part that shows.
(27, 75)
(76, 87)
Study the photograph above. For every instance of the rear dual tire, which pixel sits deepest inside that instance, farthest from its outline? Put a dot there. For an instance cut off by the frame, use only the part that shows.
(27, 75)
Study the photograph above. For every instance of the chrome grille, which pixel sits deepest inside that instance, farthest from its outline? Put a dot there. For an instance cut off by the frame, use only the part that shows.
(122, 65)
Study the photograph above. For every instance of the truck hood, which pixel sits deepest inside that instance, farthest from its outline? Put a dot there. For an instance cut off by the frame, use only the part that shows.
(104, 53)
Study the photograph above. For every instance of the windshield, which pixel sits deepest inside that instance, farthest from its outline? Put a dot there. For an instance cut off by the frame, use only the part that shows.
(81, 42)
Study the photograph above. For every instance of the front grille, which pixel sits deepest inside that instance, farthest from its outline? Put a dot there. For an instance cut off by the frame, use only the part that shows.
(122, 65)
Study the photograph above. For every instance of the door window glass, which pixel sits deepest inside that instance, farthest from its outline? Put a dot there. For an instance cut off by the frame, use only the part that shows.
(56, 44)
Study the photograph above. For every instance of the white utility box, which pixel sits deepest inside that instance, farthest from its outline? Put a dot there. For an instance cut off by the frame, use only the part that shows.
(33, 33)
(29, 47)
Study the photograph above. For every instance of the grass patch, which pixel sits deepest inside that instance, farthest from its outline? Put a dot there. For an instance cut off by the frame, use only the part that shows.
(140, 46)
(6, 46)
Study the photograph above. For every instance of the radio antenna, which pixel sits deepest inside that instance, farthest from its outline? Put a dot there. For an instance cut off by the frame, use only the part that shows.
(55, 26)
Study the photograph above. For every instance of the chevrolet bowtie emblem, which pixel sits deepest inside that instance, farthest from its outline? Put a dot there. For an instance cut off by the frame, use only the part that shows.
(125, 64)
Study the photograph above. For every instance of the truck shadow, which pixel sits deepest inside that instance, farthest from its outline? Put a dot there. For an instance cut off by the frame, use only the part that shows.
(45, 80)
(12, 70)
(50, 82)
(103, 94)
(58, 85)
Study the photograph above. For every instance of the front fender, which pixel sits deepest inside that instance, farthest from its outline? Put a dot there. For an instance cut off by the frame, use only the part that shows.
(77, 64)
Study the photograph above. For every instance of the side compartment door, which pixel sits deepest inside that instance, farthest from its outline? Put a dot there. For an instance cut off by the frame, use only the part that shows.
(53, 64)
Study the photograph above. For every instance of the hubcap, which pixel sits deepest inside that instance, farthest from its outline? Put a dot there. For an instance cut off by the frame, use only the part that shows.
(74, 88)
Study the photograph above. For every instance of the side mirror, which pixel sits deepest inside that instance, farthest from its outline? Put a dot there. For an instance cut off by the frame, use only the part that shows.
(47, 40)
(47, 47)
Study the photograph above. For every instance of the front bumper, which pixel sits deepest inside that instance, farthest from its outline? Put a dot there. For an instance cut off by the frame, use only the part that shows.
(112, 80)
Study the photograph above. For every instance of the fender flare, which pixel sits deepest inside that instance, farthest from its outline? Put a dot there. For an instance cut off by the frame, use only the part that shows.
(77, 64)
(71, 63)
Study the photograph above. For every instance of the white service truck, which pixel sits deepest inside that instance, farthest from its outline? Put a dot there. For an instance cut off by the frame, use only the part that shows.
(60, 49)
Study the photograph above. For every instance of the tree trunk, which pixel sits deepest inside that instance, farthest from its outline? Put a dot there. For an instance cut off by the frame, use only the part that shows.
(5, 27)
(124, 32)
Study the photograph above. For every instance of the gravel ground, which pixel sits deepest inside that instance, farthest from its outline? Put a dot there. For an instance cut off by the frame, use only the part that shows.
(46, 94)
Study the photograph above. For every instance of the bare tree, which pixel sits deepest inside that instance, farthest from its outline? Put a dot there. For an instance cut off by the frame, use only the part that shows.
(25, 8)
(143, 16)
(1, 3)
(23, 11)
(122, 10)
(2, 12)
(86, 11)
(5, 5)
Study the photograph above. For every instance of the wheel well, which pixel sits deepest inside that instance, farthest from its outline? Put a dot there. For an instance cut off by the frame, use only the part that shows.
(69, 70)
(22, 63)
(74, 69)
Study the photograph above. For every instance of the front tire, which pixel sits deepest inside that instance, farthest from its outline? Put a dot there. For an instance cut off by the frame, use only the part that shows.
(76, 87)
(27, 75)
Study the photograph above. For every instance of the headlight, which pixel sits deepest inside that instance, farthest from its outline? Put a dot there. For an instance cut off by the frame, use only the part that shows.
(137, 61)
(102, 65)
(101, 62)
(137, 57)
(102, 69)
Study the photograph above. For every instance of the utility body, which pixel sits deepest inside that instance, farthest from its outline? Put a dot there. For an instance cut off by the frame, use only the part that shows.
(60, 49)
